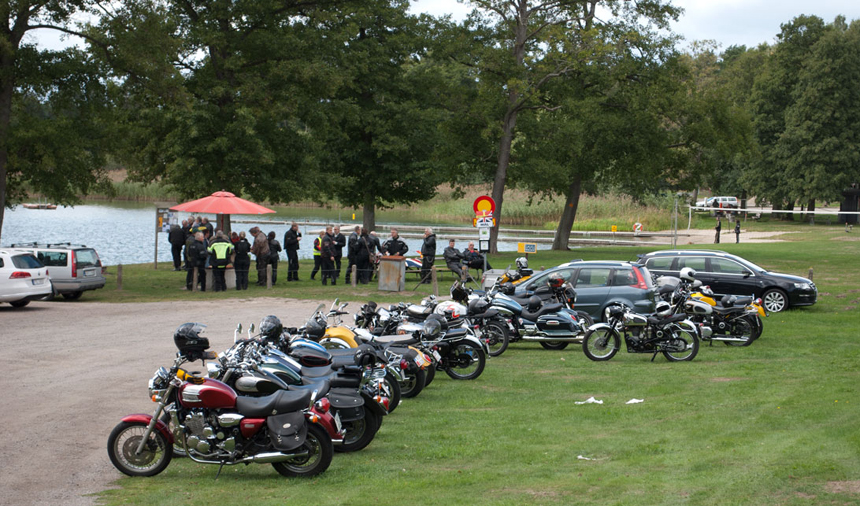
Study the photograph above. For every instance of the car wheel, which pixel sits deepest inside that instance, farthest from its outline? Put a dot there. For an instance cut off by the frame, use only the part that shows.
(775, 300)
(72, 295)
(20, 303)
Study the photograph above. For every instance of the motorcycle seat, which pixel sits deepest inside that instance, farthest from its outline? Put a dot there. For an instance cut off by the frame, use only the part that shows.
(521, 300)
(656, 320)
(735, 300)
(317, 372)
(545, 309)
(487, 314)
(421, 312)
(283, 401)
(322, 387)
(338, 361)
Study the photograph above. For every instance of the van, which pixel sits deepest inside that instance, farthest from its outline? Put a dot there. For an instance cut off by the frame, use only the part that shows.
(73, 268)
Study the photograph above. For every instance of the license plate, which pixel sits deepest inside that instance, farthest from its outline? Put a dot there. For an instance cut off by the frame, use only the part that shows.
(39, 281)
(337, 422)
(90, 273)
(437, 355)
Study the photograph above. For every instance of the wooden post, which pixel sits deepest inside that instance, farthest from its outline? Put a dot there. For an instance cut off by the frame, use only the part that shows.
(119, 277)
(268, 276)
(354, 275)
(194, 273)
(434, 280)
(810, 273)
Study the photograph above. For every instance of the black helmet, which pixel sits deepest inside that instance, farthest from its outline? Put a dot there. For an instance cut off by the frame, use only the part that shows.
(478, 306)
(271, 328)
(522, 263)
(315, 329)
(555, 280)
(434, 326)
(458, 292)
(534, 303)
(188, 340)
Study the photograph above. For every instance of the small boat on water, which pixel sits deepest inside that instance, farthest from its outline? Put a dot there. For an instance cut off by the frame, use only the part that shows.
(39, 206)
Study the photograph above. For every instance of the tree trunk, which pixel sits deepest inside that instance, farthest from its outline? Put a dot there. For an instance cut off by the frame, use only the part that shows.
(7, 84)
(369, 212)
(568, 216)
(809, 208)
(695, 197)
(744, 199)
(788, 207)
(502, 174)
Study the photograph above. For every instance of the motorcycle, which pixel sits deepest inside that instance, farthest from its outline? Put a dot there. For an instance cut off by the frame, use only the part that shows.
(673, 335)
(214, 425)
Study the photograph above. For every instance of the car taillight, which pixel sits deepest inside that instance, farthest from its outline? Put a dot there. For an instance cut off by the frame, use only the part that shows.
(74, 265)
(640, 281)
(19, 275)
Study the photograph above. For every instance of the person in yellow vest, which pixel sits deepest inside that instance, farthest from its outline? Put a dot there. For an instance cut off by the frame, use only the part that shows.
(219, 257)
(317, 254)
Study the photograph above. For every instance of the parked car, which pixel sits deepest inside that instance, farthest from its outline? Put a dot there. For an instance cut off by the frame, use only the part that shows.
(705, 203)
(600, 284)
(731, 274)
(74, 268)
(22, 278)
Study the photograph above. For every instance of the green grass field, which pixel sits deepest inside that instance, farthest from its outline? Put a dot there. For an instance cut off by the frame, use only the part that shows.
(774, 423)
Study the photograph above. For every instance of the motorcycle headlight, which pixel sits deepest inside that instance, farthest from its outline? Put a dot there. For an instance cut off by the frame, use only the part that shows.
(802, 286)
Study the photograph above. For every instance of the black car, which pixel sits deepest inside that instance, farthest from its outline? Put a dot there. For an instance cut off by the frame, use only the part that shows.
(731, 274)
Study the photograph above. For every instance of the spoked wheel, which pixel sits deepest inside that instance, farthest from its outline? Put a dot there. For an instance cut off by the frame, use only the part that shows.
(466, 361)
(585, 319)
(742, 328)
(775, 300)
(359, 433)
(601, 344)
(320, 452)
(554, 346)
(496, 335)
(414, 383)
(683, 347)
(122, 450)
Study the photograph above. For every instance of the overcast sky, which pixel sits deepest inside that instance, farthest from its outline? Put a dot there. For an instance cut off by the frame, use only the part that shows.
(729, 22)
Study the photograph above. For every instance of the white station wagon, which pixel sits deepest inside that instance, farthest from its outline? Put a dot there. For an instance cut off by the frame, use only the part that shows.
(22, 277)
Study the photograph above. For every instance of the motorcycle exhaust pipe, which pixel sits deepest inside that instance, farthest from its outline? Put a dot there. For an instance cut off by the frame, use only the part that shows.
(573, 339)
(268, 458)
(730, 339)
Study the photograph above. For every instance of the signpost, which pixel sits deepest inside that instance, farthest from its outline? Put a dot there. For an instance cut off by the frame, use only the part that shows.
(484, 207)
(163, 217)
(526, 247)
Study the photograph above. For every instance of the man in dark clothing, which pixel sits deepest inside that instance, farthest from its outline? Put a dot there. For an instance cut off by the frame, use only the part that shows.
(474, 258)
(363, 249)
(317, 254)
(242, 263)
(339, 243)
(351, 246)
(718, 228)
(375, 251)
(453, 258)
(291, 244)
(260, 249)
(327, 257)
(274, 255)
(737, 231)
(210, 229)
(219, 257)
(196, 261)
(176, 238)
(394, 245)
(428, 254)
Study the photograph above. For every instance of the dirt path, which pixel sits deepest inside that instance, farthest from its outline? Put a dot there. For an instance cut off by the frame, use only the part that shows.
(727, 235)
(72, 370)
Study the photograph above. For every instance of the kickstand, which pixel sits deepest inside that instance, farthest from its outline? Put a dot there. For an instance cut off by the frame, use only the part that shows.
(654, 355)
(219, 469)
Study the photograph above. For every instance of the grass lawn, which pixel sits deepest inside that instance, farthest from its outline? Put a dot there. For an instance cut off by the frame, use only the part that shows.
(775, 423)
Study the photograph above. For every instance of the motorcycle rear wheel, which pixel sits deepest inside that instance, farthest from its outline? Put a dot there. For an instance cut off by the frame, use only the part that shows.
(743, 328)
(431, 373)
(359, 433)
(122, 445)
(465, 356)
(414, 383)
(691, 347)
(497, 335)
(320, 453)
(585, 319)
(393, 387)
(554, 346)
(601, 344)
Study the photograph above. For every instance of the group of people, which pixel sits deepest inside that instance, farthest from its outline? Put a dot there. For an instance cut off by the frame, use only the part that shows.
(719, 227)
(204, 246)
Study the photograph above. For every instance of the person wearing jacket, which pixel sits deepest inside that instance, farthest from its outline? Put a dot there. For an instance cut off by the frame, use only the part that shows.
(339, 243)
(351, 246)
(363, 250)
(242, 262)
(196, 261)
(176, 238)
(260, 249)
(394, 245)
(474, 258)
(453, 259)
(327, 257)
(219, 254)
(291, 245)
(317, 254)
(274, 255)
(428, 254)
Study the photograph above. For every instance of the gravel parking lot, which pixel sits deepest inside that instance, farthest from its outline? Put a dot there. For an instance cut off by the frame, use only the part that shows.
(74, 369)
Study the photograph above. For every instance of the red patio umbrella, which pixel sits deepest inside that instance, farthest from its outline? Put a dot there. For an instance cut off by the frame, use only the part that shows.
(222, 203)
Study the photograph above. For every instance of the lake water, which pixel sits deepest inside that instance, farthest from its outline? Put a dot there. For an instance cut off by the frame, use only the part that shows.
(124, 232)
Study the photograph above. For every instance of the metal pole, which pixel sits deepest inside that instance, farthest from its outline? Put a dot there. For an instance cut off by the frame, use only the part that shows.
(156, 239)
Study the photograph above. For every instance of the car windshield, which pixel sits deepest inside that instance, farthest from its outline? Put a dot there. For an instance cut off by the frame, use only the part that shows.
(26, 261)
(86, 257)
(749, 264)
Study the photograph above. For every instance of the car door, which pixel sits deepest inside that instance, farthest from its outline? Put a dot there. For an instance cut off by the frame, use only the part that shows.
(698, 264)
(592, 288)
(730, 277)
(540, 280)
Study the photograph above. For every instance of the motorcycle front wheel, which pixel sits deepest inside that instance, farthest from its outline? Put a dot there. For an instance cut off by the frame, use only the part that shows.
(496, 334)
(684, 347)
(320, 452)
(600, 344)
(359, 433)
(122, 450)
(466, 361)
(414, 383)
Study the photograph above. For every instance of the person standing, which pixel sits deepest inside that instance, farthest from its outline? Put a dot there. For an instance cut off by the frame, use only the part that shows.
(219, 252)
(176, 238)
(453, 259)
(375, 252)
(339, 244)
(242, 262)
(428, 254)
(737, 231)
(260, 249)
(327, 257)
(196, 262)
(718, 228)
(317, 254)
(274, 255)
(210, 229)
(363, 248)
(351, 246)
(394, 245)
(291, 244)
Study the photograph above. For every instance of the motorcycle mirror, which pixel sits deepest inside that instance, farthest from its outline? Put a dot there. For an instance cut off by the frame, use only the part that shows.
(335, 303)
(250, 331)
(343, 305)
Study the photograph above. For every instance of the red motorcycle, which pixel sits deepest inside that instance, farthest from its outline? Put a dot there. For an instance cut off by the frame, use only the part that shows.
(291, 430)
